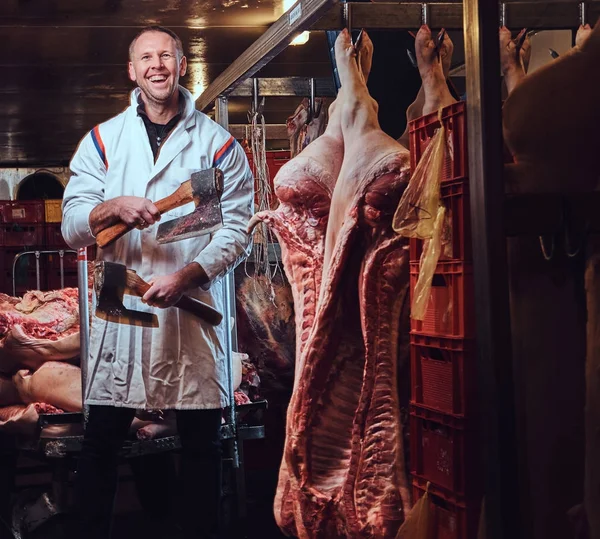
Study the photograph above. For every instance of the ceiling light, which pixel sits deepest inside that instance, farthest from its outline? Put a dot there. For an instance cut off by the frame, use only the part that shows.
(301, 39)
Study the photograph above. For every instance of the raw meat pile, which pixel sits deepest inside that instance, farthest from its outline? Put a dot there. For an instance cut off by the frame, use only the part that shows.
(38, 333)
(39, 341)
(343, 472)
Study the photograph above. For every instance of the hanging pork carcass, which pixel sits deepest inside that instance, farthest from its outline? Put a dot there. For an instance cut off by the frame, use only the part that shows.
(343, 472)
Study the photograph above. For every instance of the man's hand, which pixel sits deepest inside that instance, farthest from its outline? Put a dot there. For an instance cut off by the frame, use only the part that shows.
(167, 290)
(133, 211)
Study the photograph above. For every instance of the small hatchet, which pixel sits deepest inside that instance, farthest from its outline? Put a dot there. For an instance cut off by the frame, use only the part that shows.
(204, 188)
(112, 280)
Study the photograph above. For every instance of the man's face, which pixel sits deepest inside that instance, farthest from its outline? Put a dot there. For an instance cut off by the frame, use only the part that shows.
(154, 66)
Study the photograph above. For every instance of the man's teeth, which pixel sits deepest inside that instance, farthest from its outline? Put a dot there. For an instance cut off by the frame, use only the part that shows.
(157, 79)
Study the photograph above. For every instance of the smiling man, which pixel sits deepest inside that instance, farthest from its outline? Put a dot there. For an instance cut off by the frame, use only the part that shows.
(119, 168)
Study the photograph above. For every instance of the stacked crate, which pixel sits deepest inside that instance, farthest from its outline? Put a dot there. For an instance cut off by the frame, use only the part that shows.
(21, 229)
(34, 226)
(55, 242)
(444, 442)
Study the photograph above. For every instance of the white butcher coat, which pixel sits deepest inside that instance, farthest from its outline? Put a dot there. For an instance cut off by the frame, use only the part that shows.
(182, 363)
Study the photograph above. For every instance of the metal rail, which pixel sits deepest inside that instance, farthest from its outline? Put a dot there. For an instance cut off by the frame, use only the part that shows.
(84, 323)
(284, 87)
(409, 16)
(60, 252)
(273, 131)
(231, 345)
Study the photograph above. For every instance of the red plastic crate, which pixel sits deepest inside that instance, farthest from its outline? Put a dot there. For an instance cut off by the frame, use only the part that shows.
(450, 308)
(21, 235)
(70, 279)
(444, 451)
(69, 262)
(54, 237)
(451, 519)
(457, 240)
(442, 374)
(69, 259)
(26, 211)
(421, 131)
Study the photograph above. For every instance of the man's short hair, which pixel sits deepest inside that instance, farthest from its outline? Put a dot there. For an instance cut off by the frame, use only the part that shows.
(155, 28)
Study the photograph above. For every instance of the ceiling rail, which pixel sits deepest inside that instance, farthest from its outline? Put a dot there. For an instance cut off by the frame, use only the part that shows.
(331, 15)
(279, 35)
(409, 16)
(285, 87)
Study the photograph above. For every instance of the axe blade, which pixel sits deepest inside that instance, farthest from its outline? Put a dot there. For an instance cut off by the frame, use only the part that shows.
(109, 284)
(207, 186)
(205, 219)
(129, 317)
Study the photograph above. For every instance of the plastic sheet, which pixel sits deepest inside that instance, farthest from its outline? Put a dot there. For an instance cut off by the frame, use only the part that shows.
(420, 214)
(419, 522)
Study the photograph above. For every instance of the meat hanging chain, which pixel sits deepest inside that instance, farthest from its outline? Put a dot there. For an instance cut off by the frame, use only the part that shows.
(264, 237)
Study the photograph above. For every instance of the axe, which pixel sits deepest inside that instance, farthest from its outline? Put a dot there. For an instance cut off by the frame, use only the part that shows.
(204, 188)
(112, 280)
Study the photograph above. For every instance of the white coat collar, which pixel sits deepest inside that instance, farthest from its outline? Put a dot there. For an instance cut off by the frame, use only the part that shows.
(179, 138)
(188, 117)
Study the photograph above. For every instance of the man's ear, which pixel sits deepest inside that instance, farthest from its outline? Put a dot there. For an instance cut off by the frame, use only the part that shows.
(131, 71)
(183, 66)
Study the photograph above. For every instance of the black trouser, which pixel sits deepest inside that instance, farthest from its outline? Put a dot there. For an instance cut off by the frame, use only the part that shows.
(8, 467)
(96, 481)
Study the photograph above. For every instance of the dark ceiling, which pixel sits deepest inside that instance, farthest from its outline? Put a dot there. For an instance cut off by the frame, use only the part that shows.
(64, 63)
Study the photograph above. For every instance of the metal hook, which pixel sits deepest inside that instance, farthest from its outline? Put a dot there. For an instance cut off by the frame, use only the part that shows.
(545, 254)
(412, 59)
(424, 14)
(439, 41)
(358, 40)
(502, 14)
(521, 39)
(254, 95)
(347, 16)
(582, 13)
(314, 108)
(311, 102)
(568, 245)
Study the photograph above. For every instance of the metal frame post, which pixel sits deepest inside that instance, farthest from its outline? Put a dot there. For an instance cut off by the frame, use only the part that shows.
(84, 320)
(236, 447)
(494, 350)
(222, 118)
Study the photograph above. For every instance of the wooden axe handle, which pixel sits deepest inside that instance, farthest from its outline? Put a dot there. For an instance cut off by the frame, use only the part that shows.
(181, 196)
(112, 233)
(138, 287)
(201, 310)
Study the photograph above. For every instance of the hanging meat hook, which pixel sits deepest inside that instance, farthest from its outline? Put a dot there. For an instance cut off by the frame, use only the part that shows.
(582, 13)
(314, 108)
